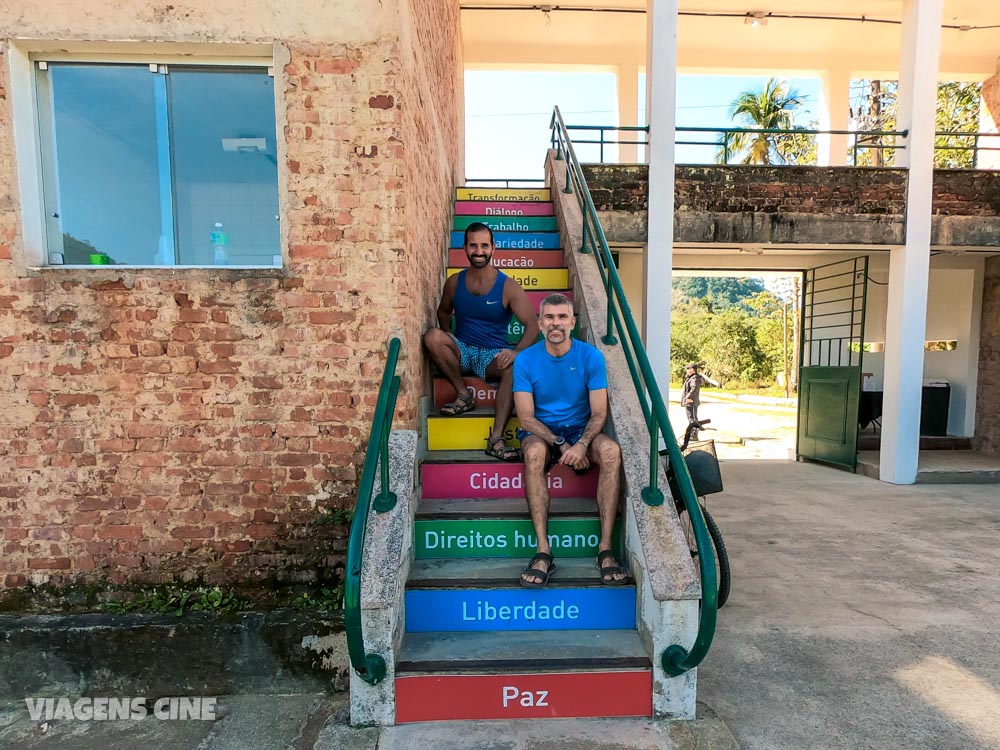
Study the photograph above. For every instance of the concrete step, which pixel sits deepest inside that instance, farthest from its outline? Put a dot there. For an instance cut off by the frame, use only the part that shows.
(927, 443)
(515, 240)
(512, 507)
(470, 537)
(498, 573)
(942, 467)
(509, 223)
(467, 431)
(502, 208)
(575, 650)
(503, 194)
(504, 259)
(556, 279)
(485, 479)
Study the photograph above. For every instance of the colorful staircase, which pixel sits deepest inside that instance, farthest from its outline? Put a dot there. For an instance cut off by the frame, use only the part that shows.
(476, 645)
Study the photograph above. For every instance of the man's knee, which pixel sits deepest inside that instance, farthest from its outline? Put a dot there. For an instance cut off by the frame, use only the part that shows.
(609, 453)
(534, 452)
(434, 337)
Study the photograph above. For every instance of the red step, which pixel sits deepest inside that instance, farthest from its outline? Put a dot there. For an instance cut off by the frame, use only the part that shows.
(524, 696)
(485, 394)
(499, 480)
(502, 208)
(513, 259)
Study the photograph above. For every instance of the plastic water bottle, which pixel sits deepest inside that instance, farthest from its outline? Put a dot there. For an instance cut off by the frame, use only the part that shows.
(220, 245)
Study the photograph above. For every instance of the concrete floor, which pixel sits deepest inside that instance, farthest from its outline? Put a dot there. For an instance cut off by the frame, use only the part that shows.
(863, 615)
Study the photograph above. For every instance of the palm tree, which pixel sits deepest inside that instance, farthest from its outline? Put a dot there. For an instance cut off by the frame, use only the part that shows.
(768, 109)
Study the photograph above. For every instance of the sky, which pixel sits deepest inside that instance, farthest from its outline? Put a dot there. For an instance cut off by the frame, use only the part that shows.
(507, 114)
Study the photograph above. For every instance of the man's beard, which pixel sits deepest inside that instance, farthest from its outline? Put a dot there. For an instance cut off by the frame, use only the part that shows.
(555, 332)
(482, 261)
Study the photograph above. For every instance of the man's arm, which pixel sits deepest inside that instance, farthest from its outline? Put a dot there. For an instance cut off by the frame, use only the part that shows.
(710, 381)
(447, 305)
(520, 305)
(524, 405)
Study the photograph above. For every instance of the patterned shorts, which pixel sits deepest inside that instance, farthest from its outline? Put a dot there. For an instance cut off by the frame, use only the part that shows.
(475, 359)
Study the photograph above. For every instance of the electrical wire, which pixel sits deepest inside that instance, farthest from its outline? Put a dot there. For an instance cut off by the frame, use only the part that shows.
(721, 14)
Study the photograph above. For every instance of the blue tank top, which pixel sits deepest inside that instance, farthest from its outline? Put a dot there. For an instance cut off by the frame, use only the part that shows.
(481, 321)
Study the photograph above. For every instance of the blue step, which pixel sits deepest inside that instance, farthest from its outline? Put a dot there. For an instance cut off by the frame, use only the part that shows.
(516, 240)
(549, 608)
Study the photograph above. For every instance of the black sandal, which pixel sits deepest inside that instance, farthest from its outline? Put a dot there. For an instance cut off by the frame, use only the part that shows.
(544, 557)
(498, 448)
(610, 570)
(459, 406)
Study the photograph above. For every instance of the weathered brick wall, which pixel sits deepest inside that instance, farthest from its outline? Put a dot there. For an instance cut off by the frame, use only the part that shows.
(807, 205)
(988, 396)
(169, 424)
(432, 70)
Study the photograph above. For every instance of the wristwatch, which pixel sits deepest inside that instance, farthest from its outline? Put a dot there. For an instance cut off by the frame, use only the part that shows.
(559, 441)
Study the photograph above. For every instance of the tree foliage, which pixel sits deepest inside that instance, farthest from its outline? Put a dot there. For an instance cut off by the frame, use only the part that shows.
(770, 108)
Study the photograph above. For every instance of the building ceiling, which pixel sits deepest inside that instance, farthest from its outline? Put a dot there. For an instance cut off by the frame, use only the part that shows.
(800, 37)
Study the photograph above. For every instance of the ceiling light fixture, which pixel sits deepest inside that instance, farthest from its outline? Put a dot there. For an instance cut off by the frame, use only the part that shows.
(756, 18)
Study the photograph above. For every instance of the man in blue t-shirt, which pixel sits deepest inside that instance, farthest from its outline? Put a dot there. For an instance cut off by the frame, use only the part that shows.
(481, 299)
(561, 395)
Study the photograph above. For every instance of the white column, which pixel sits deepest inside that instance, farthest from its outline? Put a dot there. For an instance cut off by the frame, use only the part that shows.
(909, 265)
(627, 82)
(661, 85)
(834, 114)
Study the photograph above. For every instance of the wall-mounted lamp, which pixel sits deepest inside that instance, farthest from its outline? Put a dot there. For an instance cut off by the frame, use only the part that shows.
(756, 18)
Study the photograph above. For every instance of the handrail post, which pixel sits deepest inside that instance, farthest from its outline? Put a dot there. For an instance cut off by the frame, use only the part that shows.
(386, 499)
(569, 177)
(651, 494)
(609, 335)
(586, 237)
(602, 145)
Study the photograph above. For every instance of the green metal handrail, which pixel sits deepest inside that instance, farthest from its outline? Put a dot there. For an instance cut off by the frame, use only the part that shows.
(675, 659)
(370, 667)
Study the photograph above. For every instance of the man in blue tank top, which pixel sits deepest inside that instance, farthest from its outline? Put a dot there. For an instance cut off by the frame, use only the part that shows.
(561, 394)
(481, 299)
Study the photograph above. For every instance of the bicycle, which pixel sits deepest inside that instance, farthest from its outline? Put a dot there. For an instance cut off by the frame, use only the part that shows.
(703, 465)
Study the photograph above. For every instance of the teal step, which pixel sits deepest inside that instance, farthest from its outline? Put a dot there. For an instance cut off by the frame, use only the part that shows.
(508, 537)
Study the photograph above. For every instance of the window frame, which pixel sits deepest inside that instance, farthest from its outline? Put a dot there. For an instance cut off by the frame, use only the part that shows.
(24, 56)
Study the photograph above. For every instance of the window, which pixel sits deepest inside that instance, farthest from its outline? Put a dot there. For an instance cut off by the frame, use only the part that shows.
(155, 165)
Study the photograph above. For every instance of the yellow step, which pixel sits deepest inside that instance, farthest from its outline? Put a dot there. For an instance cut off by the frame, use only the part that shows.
(534, 278)
(465, 433)
(514, 195)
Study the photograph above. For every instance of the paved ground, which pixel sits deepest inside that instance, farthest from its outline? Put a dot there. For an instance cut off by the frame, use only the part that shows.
(741, 430)
(863, 615)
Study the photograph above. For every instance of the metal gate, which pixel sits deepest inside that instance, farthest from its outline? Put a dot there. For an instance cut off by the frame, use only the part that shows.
(833, 324)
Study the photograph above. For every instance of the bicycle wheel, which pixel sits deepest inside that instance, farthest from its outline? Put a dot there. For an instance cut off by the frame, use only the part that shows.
(722, 573)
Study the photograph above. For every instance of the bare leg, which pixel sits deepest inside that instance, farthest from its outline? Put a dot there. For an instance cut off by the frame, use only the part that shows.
(505, 397)
(536, 489)
(608, 456)
(445, 355)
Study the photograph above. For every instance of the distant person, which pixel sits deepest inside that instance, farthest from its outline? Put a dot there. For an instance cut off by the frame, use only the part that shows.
(561, 394)
(481, 299)
(691, 393)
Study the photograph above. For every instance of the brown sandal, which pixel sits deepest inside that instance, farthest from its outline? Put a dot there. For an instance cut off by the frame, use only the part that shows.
(498, 448)
(459, 406)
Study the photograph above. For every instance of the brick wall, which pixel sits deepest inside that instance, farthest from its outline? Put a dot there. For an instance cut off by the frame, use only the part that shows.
(988, 396)
(166, 424)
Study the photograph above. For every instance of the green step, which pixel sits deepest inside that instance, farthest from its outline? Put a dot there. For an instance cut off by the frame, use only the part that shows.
(509, 537)
(509, 223)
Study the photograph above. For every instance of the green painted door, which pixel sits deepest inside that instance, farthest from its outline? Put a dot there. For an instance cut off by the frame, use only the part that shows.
(832, 336)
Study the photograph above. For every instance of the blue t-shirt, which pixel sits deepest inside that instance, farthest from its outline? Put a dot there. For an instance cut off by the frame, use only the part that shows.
(561, 386)
(481, 320)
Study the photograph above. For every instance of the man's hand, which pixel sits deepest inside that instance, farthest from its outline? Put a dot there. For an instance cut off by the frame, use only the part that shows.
(505, 359)
(575, 457)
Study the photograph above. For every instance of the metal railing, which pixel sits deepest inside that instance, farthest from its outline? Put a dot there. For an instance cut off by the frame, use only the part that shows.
(675, 659)
(370, 667)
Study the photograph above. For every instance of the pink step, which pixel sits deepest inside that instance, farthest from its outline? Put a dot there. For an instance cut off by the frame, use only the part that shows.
(499, 480)
(502, 208)
(524, 696)
(513, 259)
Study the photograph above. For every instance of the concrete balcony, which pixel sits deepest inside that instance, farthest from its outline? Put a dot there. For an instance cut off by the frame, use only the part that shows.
(815, 206)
